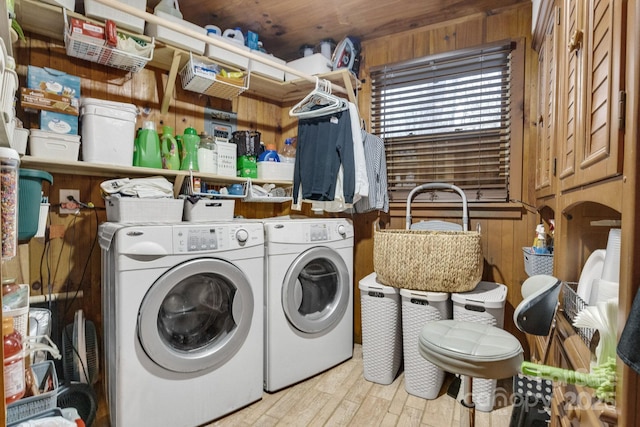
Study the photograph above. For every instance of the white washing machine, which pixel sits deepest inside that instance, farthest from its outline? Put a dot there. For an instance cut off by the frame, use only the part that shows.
(183, 313)
(308, 298)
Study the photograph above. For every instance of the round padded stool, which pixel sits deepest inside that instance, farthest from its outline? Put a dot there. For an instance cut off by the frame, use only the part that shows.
(472, 350)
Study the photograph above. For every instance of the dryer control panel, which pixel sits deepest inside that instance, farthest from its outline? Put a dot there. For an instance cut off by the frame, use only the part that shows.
(216, 237)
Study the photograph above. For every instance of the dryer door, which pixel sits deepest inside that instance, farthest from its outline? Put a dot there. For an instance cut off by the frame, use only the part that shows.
(196, 316)
(315, 293)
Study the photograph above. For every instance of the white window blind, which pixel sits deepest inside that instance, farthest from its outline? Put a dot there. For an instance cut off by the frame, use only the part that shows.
(446, 118)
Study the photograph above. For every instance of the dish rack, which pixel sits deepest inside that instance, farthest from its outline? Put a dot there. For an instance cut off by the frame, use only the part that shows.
(203, 77)
(105, 55)
(572, 304)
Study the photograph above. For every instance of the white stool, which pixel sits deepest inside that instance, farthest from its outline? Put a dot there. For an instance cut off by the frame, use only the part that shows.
(485, 351)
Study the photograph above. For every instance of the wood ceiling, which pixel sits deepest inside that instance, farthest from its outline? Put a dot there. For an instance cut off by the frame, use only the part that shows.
(285, 25)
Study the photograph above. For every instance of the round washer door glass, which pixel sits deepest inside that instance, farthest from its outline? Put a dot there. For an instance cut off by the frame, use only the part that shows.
(196, 316)
(316, 289)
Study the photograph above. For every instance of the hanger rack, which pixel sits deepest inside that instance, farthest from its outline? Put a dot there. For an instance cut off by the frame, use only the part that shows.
(318, 102)
(173, 72)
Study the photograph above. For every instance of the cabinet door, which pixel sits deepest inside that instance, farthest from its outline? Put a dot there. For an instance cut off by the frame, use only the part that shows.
(594, 64)
(547, 104)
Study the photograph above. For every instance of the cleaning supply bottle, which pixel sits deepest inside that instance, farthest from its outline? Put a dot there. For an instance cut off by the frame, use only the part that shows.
(14, 384)
(234, 34)
(270, 154)
(169, 6)
(190, 145)
(288, 153)
(540, 242)
(136, 148)
(149, 155)
(169, 148)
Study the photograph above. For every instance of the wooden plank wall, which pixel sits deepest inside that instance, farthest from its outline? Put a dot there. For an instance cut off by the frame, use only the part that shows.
(72, 261)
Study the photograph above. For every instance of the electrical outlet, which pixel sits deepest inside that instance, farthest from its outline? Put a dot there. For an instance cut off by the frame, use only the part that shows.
(64, 199)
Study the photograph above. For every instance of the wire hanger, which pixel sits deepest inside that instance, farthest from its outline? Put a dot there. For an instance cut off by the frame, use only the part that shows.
(319, 102)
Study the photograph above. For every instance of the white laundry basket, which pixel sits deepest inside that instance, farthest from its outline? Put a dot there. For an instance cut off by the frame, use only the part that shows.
(484, 304)
(381, 330)
(421, 378)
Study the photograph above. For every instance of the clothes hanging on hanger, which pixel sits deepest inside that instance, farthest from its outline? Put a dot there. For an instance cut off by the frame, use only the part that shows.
(361, 190)
(324, 144)
(376, 165)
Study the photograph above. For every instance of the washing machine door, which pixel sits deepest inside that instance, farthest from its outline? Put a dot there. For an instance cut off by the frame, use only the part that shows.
(316, 289)
(196, 316)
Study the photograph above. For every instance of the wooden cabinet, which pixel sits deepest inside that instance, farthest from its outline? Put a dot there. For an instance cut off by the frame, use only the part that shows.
(591, 96)
(547, 104)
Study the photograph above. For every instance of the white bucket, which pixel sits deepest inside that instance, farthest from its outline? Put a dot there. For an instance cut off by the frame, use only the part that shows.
(108, 131)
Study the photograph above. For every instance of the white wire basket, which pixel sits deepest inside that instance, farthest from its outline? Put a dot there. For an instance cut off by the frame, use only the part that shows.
(105, 55)
(203, 78)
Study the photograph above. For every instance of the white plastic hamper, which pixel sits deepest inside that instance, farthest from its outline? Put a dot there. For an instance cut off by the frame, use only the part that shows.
(108, 130)
(381, 330)
(484, 304)
(421, 378)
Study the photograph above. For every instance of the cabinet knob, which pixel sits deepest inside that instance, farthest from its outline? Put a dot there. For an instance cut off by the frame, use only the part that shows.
(575, 42)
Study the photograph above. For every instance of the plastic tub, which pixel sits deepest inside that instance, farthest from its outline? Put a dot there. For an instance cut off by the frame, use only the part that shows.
(52, 145)
(30, 196)
(108, 131)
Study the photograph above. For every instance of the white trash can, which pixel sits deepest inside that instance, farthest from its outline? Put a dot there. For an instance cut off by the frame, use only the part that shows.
(421, 378)
(381, 330)
(484, 304)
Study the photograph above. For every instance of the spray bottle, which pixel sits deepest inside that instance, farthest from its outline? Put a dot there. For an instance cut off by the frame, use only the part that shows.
(540, 242)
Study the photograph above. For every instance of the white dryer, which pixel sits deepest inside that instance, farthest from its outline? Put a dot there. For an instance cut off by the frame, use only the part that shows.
(308, 298)
(183, 313)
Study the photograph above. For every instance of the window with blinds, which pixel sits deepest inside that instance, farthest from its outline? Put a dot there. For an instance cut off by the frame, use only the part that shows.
(447, 118)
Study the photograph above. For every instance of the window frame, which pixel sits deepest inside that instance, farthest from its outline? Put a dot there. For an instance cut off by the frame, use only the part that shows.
(517, 137)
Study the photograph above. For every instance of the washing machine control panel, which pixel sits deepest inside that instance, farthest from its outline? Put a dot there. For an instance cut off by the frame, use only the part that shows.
(214, 237)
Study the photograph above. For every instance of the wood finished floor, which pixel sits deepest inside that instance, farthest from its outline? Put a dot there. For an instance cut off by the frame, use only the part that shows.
(342, 397)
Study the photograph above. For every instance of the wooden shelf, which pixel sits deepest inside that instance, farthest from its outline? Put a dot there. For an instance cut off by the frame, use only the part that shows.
(48, 20)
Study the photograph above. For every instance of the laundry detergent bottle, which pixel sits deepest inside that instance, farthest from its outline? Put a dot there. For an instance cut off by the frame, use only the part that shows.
(169, 148)
(149, 155)
(190, 145)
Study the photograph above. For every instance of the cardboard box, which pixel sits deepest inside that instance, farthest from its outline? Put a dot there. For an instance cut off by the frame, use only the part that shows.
(36, 99)
(53, 81)
(227, 156)
(86, 31)
(64, 124)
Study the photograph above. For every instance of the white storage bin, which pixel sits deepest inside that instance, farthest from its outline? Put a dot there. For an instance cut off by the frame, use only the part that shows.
(484, 304)
(276, 171)
(20, 138)
(381, 330)
(175, 38)
(93, 9)
(421, 378)
(209, 210)
(226, 56)
(54, 145)
(267, 70)
(134, 209)
(67, 4)
(312, 65)
(108, 130)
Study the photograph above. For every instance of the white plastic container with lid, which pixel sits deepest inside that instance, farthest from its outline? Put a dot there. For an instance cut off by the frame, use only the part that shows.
(108, 131)
(94, 9)
(52, 145)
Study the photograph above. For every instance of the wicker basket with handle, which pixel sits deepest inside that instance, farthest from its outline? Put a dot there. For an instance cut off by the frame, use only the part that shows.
(429, 260)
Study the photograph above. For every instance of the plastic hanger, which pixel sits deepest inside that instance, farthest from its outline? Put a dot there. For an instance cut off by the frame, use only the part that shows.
(319, 102)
